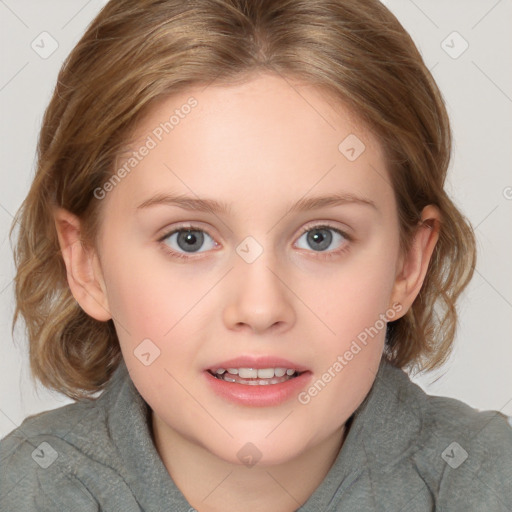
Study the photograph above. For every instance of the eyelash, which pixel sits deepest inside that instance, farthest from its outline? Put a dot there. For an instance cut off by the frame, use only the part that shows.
(324, 254)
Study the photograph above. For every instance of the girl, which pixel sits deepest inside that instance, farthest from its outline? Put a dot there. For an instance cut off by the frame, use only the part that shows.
(238, 232)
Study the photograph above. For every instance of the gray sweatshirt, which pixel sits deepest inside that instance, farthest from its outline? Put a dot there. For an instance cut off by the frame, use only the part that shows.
(405, 451)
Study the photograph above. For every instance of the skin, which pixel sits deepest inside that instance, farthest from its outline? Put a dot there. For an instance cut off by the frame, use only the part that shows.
(259, 146)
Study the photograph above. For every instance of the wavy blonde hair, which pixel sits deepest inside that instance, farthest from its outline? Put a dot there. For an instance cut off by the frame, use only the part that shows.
(136, 52)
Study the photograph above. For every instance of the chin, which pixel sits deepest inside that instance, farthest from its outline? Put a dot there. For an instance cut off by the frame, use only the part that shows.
(260, 450)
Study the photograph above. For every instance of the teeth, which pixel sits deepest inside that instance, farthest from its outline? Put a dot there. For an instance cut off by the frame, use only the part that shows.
(254, 373)
(265, 373)
(248, 373)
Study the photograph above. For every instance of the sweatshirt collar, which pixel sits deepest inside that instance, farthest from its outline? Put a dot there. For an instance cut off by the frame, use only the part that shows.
(379, 434)
(130, 426)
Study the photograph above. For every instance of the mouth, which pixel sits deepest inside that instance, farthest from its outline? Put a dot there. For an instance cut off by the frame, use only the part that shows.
(257, 380)
(255, 376)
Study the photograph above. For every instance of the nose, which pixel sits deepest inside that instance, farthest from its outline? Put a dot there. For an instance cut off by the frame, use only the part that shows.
(259, 298)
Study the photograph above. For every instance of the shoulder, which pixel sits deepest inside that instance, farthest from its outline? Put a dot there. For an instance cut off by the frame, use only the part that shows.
(477, 452)
(443, 418)
(482, 434)
(37, 459)
(76, 457)
(465, 455)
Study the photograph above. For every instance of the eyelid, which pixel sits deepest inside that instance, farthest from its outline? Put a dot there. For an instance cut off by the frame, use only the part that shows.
(326, 225)
(184, 227)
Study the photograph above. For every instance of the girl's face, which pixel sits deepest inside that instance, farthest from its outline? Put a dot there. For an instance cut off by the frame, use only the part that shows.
(272, 276)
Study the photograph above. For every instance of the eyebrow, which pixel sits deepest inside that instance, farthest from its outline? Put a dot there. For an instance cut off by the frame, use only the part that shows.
(218, 207)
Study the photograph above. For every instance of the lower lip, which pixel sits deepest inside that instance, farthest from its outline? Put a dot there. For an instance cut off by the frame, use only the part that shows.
(258, 396)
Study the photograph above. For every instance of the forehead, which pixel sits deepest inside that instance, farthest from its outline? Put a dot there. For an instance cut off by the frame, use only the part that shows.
(262, 141)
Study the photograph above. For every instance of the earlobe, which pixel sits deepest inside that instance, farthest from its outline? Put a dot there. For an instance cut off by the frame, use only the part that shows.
(84, 274)
(414, 265)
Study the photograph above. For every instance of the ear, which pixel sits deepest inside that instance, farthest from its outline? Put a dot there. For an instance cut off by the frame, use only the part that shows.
(412, 267)
(84, 273)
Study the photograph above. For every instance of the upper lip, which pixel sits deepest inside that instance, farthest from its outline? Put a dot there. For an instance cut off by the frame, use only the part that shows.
(258, 362)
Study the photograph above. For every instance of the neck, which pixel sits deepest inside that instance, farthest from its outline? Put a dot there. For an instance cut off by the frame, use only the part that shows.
(211, 484)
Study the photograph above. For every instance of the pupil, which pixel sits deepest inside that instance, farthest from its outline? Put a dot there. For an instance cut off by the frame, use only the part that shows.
(192, 240)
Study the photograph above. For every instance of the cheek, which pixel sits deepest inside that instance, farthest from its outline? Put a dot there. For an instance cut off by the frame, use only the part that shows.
(352, 304)
(153, 328)
(138, 301)
(356, 308)
(152, 299)
(147, 294)
(354, 295)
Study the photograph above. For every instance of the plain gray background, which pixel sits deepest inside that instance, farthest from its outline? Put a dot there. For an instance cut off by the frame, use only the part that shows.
(467, 44)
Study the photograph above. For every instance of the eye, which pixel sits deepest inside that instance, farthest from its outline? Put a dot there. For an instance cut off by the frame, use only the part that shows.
(188, 239)
(185, 240)
(320, 238)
